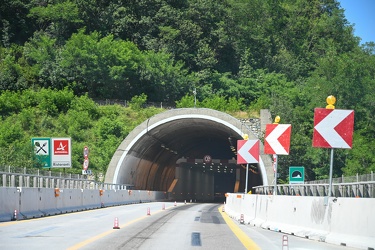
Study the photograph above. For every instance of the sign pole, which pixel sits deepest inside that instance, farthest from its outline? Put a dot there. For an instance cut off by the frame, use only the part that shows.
(330, 177)
(247, 152)
(332, 129)
(275, 187)
(247, 177)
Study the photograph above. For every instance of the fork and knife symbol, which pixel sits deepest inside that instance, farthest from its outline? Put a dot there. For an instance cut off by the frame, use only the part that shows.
(41, 147)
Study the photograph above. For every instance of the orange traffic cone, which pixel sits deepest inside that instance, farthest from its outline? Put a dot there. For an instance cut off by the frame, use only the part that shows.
(116, 226)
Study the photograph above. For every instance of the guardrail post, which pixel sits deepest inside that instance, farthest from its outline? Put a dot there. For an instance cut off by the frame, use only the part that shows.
(356, 190)
(20, 181)
(12, 181)
(343, 191)
(27, 184)
(366, 190)
(4, 180)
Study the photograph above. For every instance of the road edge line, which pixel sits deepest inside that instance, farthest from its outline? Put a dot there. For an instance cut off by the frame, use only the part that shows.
(245, 240)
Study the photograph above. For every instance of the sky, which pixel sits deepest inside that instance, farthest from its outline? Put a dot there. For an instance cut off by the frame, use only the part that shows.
(361, 13)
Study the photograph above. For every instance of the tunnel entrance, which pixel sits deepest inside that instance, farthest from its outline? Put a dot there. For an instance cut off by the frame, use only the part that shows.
(223, 183)
(188, 153)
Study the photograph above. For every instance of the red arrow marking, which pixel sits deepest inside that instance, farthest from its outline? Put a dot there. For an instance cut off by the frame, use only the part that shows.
(333, 128)
(277, 139)
(247, 151)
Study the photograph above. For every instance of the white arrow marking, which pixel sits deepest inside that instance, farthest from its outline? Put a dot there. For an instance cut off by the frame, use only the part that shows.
(244, 151)
(273, 139)
(326, 128)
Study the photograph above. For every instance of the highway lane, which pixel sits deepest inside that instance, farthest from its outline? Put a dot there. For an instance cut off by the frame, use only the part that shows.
(184, 226)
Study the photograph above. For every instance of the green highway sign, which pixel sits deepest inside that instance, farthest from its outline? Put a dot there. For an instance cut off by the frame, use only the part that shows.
(42, 151)
(296, 175)
(52, 152)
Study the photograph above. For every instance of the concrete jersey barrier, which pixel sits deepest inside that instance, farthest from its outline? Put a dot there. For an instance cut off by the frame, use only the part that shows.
(39, 202)
(344, 221)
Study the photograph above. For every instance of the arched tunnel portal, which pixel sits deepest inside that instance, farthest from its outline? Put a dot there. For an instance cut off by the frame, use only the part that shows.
(190, 154)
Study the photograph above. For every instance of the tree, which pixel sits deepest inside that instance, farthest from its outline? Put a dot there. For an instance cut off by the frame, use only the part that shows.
(59, 19)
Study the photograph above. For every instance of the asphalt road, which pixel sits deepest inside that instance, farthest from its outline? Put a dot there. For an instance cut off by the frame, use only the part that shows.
(147, 226)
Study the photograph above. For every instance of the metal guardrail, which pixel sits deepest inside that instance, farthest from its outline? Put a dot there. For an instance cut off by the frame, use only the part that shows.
(354, 189)
(38, 181)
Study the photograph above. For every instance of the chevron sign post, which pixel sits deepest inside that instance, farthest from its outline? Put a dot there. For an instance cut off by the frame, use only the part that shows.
(277, 139)
(333, 128)
(247, 152)
(277, 142)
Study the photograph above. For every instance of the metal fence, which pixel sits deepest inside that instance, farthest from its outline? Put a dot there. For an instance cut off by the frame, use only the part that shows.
(346, 179)
(344, 186)
(40, 172)
(364, 189)
(38, 178)
(126, 103)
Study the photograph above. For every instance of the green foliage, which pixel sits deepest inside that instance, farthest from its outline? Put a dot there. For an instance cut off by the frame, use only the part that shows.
(286, 56)
(137, 102)
(51, 113)
(187, 102)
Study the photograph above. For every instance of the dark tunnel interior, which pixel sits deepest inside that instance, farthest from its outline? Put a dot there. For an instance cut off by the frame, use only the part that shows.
(191, 159)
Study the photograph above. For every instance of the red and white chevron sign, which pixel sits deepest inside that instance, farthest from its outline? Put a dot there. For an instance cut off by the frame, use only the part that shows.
(277, 139)
(333, 128)
(247, 151)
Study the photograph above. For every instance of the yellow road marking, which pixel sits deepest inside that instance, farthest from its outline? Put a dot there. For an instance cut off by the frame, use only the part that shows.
(97, 237)
(3, 224)
(245, 240)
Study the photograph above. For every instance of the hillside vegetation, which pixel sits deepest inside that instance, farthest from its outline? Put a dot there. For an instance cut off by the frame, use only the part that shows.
(57, 56)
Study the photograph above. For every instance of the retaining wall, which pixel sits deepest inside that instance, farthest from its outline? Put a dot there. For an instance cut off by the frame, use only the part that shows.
(39, 202)
(343, 221)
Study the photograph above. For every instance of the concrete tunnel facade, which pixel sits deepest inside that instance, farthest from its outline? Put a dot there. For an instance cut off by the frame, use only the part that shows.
(188, 153)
